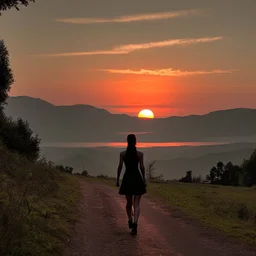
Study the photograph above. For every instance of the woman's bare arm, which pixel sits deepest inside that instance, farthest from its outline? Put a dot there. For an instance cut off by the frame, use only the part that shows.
(142, 167)
(120, 166)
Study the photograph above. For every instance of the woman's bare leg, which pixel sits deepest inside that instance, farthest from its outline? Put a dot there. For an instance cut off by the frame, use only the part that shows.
(136, 207)
(129, 206)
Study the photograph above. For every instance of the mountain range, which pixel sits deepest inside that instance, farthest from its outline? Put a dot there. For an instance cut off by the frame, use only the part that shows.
(85, 123)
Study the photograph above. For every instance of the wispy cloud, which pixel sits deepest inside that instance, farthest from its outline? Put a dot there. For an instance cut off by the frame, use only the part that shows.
(132, 18)
(169, 72)
(74, 54)
(172, 42)
(128, 48)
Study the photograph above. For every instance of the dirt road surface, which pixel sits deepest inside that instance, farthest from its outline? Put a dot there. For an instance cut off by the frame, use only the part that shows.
(102, 230)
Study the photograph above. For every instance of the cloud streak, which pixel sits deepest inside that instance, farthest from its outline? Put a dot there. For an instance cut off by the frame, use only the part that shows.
(75, 54)
(168, 72)
(132, 18)
(128, 48)
(172, 42)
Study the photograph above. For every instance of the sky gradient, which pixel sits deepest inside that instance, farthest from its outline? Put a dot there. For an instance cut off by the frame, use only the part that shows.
(175, 57)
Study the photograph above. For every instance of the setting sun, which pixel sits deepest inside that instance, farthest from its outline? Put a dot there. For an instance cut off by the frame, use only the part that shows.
(146, 113)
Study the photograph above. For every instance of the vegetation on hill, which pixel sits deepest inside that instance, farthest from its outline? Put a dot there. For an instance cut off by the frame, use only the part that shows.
(16, 135)
(229, 174)
(37, 199)
(36, 206)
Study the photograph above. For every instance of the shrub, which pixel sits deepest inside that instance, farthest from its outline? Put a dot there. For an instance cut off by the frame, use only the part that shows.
(67, 169)
(18, 137)
(85, 173)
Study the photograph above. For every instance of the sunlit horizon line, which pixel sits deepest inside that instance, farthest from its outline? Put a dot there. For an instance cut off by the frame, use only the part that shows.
(124, 144)
(142, 106)
(169, 72)
(123, 133)
(128, 48)
(132, 18)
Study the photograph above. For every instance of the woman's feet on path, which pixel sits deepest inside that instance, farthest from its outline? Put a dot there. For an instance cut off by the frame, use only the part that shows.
(134, 228)
(130, 224)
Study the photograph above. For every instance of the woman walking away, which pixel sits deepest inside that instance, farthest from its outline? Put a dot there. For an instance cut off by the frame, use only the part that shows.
(133, 184)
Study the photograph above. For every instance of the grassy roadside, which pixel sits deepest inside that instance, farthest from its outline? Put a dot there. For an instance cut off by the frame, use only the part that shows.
(36, 207)
(228, 209)
(231, 210)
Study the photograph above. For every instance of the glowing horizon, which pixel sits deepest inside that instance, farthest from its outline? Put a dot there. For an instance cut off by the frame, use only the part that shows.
(176, 59)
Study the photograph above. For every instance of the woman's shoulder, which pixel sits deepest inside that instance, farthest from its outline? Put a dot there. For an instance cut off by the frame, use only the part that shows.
(122, 153)
(139, 153)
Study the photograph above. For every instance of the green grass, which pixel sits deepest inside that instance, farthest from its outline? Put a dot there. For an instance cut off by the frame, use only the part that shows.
(37, 205)
(228, 209)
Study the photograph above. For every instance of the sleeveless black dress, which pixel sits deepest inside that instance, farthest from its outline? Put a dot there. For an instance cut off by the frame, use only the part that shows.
(132, 183)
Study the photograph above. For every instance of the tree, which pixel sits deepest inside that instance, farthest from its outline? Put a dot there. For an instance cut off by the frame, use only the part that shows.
(85, 173)
(69, 169)
(231, 174)
(15, 135)
(187, 178)
(249, 168)
(212, 177)
(236, 173)
(8, 4)
(150, 170)
(6, 75)
(226, 175)
(220, 170)
(18, 137)
(197, 179)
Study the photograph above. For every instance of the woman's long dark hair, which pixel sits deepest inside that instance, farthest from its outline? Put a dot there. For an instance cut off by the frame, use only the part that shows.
(131, 151)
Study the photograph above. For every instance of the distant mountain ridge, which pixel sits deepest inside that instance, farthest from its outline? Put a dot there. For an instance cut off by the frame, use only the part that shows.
(30, 100)
(86, 123)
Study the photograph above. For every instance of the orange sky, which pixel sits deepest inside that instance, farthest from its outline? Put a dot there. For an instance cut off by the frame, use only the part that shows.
(175, 58)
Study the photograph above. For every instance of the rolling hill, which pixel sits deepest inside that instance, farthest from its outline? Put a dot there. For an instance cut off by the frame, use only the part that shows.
(85, 123)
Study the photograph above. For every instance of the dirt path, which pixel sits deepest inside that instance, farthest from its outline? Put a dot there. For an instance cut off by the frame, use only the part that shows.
(102, 230)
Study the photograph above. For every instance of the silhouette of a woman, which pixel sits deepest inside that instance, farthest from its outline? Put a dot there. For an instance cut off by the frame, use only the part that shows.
(133, 184)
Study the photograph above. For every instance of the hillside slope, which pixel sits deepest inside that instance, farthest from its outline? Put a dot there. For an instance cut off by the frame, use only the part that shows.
(36, 206)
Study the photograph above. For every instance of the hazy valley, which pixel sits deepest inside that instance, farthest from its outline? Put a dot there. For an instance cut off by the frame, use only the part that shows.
(82, 123)
(172, 162)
